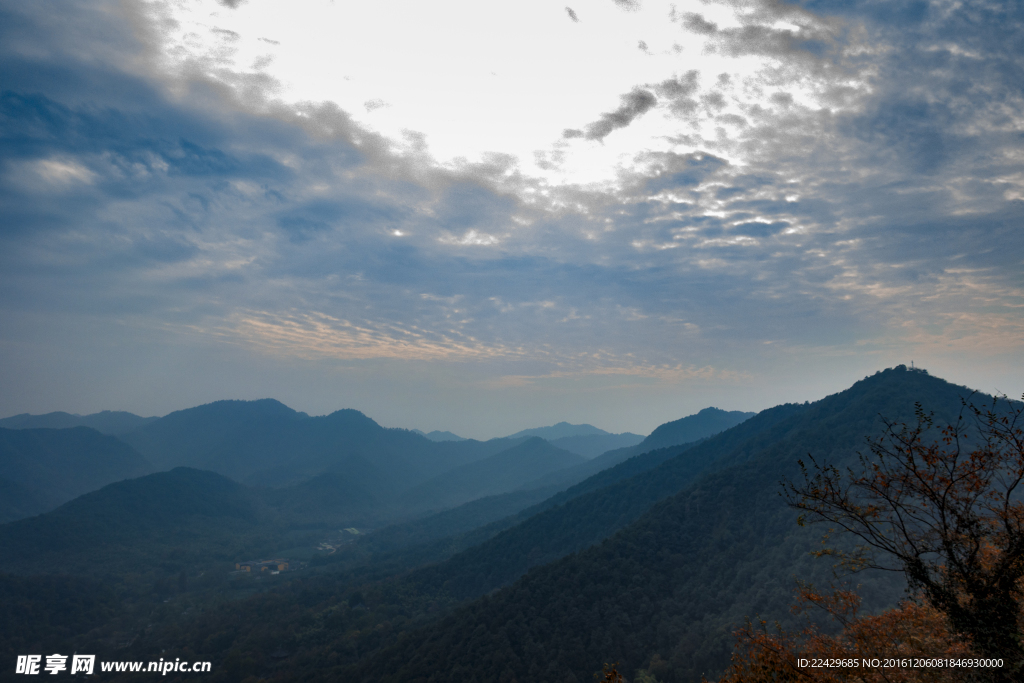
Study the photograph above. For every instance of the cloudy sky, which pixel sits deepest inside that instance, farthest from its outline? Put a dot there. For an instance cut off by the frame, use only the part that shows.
(484, 217)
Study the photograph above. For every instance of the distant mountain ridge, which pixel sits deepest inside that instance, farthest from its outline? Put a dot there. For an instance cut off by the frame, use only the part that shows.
(666, 592)
(505, 471)
(560, 431)
(593, 445)
(701, 425)
(583, 439)
(42, 468)
(112, 422)
(266, 443)
(438, 435)
(652, 562)
(114, 526)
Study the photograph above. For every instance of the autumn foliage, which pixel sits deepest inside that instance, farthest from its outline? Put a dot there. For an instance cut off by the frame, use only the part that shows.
(949, 515)
(907, 632)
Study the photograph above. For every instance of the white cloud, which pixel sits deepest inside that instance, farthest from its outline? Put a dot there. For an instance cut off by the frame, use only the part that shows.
(62, 172)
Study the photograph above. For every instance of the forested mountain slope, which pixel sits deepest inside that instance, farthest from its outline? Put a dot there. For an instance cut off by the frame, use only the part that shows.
(267, 443)
(686, 430)
(666, 592)
(340, 629)
(502, 472)
(42, 468)
(184, 516)
(593, 445)
(691, 428)
(589, 512)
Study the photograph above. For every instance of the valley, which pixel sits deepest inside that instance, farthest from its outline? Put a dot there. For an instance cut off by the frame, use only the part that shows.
(402, 558)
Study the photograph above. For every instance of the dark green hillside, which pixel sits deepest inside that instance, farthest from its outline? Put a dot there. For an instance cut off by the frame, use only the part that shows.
(479, 520)
(182, 517)
(590, 511)
(500, 473)
(437, 537)
(44, 613)
(17, 501)
(337, 629)
(666, 592)
(43, 468)
(457, 521)
(352, 497)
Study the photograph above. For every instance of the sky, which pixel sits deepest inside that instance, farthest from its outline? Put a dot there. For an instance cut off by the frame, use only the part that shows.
(485, 217)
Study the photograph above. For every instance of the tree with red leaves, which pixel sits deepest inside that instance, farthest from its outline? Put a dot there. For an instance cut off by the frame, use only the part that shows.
(948, 513)
(904, 634)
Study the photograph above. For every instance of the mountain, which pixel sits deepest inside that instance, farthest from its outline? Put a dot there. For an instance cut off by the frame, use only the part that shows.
(112, 422)
(664, 594)
(693, 428)
(17, 501)
(505, 471)
(590, 511)
(438, 435)
(690, 429)
(560, 431)
(652, 563)
(593, 445)
(589, 441)
(181, 517)
(353, 497)
(265, 442)
(576, 480)
(234, 438)
(485, 559)
(42, 468)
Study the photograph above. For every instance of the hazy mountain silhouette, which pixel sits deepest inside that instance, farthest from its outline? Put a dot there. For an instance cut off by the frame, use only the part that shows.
(267, 443)
(438, 435)
(666, 591)
(652, 562)
(505, 471)
(113, 422)
(131, 525)
(42, 468)
(583, 439)
(560, 431)
(593, 445)
(692, 428)
(687, 430)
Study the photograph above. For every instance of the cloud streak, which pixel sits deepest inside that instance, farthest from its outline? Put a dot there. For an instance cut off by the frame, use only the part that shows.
(634, 104)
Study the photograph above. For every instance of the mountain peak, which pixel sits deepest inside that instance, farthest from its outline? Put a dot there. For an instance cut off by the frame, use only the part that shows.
(703, 424)
(559, 431)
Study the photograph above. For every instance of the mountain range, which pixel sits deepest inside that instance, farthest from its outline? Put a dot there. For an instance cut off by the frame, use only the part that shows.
(376, 475)
(42, 468)
(652, 560)
(106, 422)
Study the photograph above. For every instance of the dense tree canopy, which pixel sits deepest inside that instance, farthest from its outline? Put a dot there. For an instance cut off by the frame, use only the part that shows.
(948, 513)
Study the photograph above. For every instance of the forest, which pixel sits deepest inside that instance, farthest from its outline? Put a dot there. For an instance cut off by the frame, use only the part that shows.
(515, 560)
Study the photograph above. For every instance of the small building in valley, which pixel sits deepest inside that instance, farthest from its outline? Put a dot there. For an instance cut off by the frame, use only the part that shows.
(262, 566)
